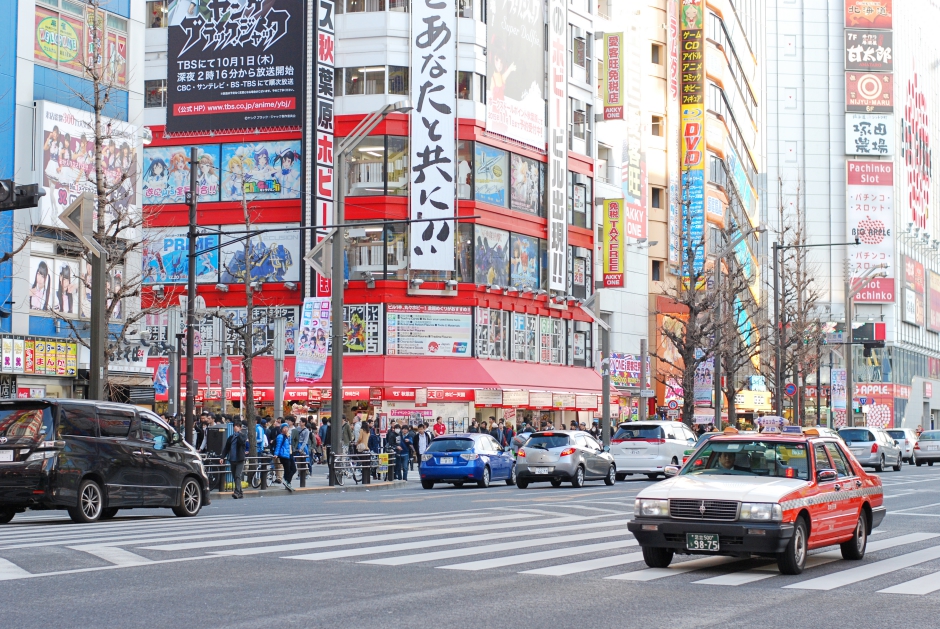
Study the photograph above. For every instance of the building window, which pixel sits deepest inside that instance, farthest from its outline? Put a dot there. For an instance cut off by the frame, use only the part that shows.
(464, 169)
(492, 338)
(657, 197)
(360, 6)
(581, 344)
(482, 88)
(656, 126)
(369, 80)
(465, 85)
(657, 271)
(580, 277)
(398, 80)
(465, 252)
(155, 93)
(552, 340)
(525, 337)
(396, 165)
(156, 13)
(466, 8)
(656, 54)
(580, 200)
(377, 166)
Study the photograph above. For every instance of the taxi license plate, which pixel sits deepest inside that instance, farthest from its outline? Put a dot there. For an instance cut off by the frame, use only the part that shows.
(447, 460)
(6, 455)
(539, 470)
(701, 541)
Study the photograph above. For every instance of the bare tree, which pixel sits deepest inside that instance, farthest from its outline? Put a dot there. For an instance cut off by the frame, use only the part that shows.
(689, 325)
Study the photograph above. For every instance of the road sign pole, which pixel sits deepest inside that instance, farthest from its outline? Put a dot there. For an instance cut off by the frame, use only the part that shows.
(191, 297)
(97, 378)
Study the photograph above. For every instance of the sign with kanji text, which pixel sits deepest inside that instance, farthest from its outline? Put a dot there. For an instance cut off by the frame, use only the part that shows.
(613, 85)
(870, 51)
(869, 134)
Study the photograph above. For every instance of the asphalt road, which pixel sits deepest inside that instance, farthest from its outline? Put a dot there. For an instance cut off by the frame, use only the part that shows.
(468, 557)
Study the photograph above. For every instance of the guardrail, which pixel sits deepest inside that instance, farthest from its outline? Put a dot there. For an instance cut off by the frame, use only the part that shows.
(259, 471)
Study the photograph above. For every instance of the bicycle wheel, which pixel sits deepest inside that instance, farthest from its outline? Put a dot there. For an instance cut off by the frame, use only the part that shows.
(340, 476)
(255, 479)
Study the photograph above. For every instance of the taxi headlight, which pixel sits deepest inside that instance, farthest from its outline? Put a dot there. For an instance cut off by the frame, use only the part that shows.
(646, 508)
(765, 511)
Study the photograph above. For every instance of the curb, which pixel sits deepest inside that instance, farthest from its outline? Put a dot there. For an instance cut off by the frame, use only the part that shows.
(279, 491)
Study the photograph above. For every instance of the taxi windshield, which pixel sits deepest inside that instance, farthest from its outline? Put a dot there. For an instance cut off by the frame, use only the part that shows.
(749, 458)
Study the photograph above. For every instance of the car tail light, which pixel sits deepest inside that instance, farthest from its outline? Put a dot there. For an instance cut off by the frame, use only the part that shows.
(567, 451)
(917, 446)
(469, 457)
(654, 440)
(874, 448)
(521, 453)
(616, 440)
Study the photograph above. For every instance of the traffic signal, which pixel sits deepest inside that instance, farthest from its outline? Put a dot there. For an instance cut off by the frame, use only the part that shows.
(14, 197)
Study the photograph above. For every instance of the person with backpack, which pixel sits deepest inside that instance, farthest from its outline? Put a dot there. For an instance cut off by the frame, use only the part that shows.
(508, 434)
(234, 452)
(282, 450)
(303, 442)
(273, 431)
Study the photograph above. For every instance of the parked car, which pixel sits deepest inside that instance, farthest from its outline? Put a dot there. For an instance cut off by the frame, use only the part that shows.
(557, 456)
(906, 439)
(648, 447)
(873, 447)
(462, 458)
(927, 448)
(92, 459)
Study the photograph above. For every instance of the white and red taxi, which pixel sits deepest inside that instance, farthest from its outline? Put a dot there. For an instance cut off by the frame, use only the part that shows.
(769, 494)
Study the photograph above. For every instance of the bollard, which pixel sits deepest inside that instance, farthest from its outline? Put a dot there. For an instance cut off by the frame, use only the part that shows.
(263, 465)
(366, 468)
(303, 472)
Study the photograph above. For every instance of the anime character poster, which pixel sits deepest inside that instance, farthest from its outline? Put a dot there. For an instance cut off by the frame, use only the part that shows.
(66, 154)
(515, 69)
(274, 256)
(166, 174)
(165, 259)
(491, 256)
(491, 169)
(263, 170)
(526, 190)
(524, 261)
(313, 339)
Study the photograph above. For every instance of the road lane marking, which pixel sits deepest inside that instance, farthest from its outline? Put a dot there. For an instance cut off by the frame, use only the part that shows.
(112, 554)
(926, 584)
(588, 565)
(884, 544)
(759, 574)
(10, 571)
(651, 574)
(868, 571)
(513, 560)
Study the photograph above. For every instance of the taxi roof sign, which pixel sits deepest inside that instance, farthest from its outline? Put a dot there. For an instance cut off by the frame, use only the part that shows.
(793, 430)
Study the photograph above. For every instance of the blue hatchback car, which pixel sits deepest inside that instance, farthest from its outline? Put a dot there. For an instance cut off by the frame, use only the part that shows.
(469, 457)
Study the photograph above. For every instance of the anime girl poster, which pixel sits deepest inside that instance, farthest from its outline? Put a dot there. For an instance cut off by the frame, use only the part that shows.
(262, 170)
(166, 175)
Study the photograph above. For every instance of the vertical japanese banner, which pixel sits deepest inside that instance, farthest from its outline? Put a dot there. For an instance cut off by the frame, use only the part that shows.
(633, 158)
(433, 133)
(672, 137)
(313, 339)
(692, 46)
(613, 87)
(323, 122)
(870, 218)
(613, 243)
(557, 145)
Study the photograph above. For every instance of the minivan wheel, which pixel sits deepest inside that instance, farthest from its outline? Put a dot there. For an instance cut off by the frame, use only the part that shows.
(6, 515)
(90, 503)
(190, 499)
(110, 512)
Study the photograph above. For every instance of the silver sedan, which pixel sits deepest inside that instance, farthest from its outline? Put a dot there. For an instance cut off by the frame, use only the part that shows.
(557, 456)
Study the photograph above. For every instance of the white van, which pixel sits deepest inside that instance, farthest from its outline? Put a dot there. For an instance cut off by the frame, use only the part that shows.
(648, 447)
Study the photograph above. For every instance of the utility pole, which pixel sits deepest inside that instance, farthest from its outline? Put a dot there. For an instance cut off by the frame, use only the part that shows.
(644, 375)
(226, 379)
(191, 294)
(778, 336)
(605, 379)
(337, 333)
(173, 373)
(716, 370)
(97, 376)
(849, 354)
(279, 351)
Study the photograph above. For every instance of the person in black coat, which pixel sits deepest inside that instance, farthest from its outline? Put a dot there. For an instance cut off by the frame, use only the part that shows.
(234, 452)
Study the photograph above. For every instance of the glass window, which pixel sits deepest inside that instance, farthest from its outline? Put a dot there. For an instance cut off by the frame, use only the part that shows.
(552, 340)
(24, 424)
(656, 126)
(364, 167)
(397, 165)
(465, 85)
(526, 185)
(465, 9)
(155, 93)
(524, 262)
(578, 49)
(657, 196)
(365, 252)
(369, 80)
(482, 90)
(449, 444)
(838, 459)
(548, 440)
(353, 84)
(580, 200)
(749, 458)
(399, 6)
(153, 430)
(579, 272)
(360, 6)
(398, 80)
(656, 54)
(117, 24)
(578, 118)
(822, 459)
(465, 252)
(396, 252)
(525, 337)
(156, 13)
(114, 423)
(491, 256)
(78, 421)
(492, 333)
(491, 175)
(464, 169)
(581, 344)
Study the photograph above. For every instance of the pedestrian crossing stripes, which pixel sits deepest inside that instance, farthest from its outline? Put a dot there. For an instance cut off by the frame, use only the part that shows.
(584, 540)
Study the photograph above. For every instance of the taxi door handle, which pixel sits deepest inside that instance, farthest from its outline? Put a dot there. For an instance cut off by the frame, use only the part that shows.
(837, 487)
(858, 484)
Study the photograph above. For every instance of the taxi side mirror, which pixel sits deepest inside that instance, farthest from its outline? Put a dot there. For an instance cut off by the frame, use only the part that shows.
(671, 470)
(826, 476)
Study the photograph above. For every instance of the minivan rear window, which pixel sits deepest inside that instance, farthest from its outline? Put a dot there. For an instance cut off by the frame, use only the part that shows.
(897, 434)
(548, 441)
(930, 436)
(22, 424)
(856, 434)
(639, 433)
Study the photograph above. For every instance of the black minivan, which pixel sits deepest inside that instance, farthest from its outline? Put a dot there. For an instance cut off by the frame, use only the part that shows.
(93, 458)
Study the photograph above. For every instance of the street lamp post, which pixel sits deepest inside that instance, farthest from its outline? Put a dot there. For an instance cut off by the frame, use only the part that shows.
(193, 198)
(346, 145)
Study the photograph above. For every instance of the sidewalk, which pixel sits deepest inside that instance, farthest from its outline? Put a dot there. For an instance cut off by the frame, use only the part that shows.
(317, 482)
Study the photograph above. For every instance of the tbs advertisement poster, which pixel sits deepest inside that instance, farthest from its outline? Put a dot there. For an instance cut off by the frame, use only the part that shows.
(515, 105)
(234, 65)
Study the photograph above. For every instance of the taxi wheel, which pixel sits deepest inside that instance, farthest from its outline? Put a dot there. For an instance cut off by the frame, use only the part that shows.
(929, 463)
(854, 548)
(793, 559)
(657, 557)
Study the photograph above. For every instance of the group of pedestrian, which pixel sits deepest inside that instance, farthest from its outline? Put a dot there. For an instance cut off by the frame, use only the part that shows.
(501, 430)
